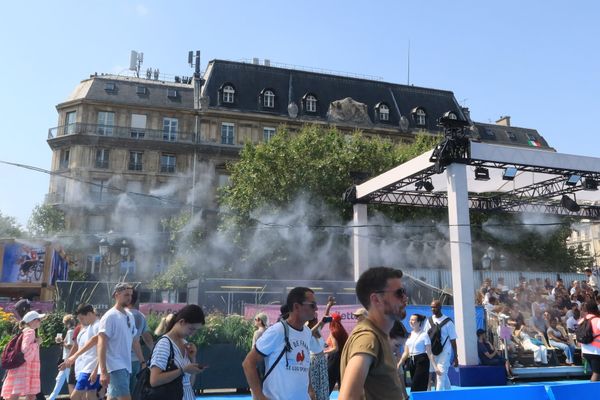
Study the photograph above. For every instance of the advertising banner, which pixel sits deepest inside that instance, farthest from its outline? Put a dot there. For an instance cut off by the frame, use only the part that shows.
(349, 320)
(23, 263)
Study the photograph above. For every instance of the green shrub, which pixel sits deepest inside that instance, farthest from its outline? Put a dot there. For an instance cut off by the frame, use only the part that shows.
(219, 328)
(51, 325)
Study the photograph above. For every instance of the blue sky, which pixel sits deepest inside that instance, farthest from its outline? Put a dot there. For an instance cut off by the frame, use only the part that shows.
(537, 61)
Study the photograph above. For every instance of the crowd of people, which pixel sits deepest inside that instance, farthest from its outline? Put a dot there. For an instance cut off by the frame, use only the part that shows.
(538, 316)
(102, 356)
(291, 358)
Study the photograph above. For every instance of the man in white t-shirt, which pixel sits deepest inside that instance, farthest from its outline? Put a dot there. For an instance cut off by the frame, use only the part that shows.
(443, 359)
(289, 378)
(116, 338)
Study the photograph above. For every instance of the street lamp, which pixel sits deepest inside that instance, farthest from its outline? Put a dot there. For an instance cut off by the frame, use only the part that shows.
(486, 262)
(491, 253)
(104, 248)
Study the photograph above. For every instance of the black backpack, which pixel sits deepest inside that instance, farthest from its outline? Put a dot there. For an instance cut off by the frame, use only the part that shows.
(435, 335)
(584, 333)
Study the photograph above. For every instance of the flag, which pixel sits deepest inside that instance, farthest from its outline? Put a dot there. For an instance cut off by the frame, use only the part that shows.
(534, 143)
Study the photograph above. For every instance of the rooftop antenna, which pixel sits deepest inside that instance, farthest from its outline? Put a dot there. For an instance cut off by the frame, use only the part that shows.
(135, 62)
(408, 65)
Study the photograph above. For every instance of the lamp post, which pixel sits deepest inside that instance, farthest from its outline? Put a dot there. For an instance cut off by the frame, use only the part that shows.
(491, 253)
(486, 262)
(104, 248)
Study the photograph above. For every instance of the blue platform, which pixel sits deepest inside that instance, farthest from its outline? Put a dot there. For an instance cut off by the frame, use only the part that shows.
(477, 375)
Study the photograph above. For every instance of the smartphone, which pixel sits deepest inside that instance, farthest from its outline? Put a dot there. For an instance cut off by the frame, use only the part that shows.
(328, 318)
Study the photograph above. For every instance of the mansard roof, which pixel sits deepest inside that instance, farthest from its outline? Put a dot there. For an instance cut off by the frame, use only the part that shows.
(509, 136)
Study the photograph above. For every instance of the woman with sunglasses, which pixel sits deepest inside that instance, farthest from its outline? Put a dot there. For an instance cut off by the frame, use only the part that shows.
(184, 323)
(418, 355)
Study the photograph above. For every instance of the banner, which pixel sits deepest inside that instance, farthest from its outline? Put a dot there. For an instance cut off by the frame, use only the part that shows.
(59, 268)
(23, 263)
(160, 308)
(349, 320)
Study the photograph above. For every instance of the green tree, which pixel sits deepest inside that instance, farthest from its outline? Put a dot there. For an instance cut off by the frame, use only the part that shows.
(46, 220)
(9, 228)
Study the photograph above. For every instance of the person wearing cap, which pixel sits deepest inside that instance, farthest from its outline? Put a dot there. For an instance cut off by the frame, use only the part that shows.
(360, 314)
(116, 338)
(25, 380)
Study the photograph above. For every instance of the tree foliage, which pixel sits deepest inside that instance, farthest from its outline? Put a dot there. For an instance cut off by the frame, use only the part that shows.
(9, 228)
(46, 220)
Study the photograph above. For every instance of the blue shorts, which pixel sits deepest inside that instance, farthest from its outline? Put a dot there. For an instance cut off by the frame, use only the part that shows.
(83, 382)
(119, 383)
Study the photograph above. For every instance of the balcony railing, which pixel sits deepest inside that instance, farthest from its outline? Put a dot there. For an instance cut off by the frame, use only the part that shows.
(121, 132)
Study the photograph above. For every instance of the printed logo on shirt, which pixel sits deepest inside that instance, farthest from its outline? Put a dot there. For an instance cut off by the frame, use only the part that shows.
(298, 361)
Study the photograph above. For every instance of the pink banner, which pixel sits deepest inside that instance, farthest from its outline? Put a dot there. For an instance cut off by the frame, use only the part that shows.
(160, 308)
(272, 311)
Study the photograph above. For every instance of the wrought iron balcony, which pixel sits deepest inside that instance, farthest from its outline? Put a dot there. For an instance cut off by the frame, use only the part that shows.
(121, 132)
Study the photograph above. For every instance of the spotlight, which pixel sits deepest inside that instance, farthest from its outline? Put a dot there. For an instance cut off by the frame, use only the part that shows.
(510, 173)
(569, 204)
(590, 184)
(424, 184)
(482, 174)
(573, 179)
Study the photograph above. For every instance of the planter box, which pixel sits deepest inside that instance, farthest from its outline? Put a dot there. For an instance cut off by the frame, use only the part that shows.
(224, 368)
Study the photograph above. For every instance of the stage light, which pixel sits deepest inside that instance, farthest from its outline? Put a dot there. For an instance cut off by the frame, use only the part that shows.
(424, 184)
(569, 204)
(510, 173)
(572, 180)
(482, 174)
(590, 184)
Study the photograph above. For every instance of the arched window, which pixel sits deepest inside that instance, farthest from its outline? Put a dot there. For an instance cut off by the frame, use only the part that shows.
(311, 103)
(452, 115)
(269, 99)
(420, 116)
(228, 94)
(384, 112)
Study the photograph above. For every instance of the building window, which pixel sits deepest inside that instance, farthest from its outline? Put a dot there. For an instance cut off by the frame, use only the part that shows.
(99, 190)
(70, 123)
(222, 180)
(138, 126)
(106, 123)
(228, 94)
(452, 115)
(96, 223)
(269, 99)
(227, 133)
(384, 112)
(135, 160)
(167, 163)
(170, 129)
(64, 158)
(420, 117)
(512, 136)
(310, 103)
(102, 158)
(268, 133)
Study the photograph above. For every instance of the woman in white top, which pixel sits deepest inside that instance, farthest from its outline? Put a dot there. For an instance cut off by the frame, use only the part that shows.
(557, 337)
(184, 323)
(417, 351)
(540, 352)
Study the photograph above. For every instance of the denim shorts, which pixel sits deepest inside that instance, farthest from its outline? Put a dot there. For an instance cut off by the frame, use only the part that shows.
(119, 383)
(83, 382)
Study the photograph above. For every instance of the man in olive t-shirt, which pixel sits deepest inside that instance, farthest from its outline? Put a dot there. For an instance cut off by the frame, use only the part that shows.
(368, 367)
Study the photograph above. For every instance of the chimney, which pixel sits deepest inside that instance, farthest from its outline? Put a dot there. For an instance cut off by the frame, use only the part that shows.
(255, 61)
(504, 120)
(267, 62)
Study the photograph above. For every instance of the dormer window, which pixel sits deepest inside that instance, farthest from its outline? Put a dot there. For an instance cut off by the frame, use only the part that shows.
(110, 87)
(420, 116)
(452, 115)
(228, 94)
(268, 99)
(310, 102)
(383, 112)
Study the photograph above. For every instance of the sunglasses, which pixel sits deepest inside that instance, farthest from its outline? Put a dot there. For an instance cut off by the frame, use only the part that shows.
(312, 304)
(399, 293)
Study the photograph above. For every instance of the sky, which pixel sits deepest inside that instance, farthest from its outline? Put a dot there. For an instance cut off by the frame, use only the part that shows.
(536, 61)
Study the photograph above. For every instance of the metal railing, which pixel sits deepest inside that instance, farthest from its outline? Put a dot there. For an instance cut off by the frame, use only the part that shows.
(121, 132)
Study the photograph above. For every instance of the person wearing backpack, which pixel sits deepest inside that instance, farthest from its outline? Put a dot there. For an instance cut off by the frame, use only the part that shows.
(24, 380)
(285, 349)
(442, 334)
(591, 351)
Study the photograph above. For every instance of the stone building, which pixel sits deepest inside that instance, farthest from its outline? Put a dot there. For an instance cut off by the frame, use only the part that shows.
(129, 151)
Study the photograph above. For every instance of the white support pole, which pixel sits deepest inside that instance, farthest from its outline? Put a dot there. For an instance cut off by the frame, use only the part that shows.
(360, 240)
(462, 264)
